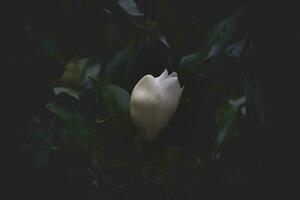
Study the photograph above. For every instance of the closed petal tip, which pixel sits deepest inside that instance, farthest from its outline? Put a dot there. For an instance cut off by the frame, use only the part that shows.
(173, 74)
(164, 75)
(171, 85)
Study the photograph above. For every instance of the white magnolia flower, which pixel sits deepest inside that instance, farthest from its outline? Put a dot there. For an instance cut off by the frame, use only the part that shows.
(153, 103)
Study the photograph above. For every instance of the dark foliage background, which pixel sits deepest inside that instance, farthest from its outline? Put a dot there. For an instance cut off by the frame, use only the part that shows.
(44, 36)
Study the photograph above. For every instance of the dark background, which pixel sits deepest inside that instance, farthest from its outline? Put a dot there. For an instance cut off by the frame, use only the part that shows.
(84, 28)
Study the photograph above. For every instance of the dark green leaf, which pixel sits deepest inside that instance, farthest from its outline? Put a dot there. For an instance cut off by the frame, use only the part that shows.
(217, 42)
(163, 40)
(191, 62)
(222, 33)
(87, 69)
(121, 65)
(226, 117)
(254, 98)
(41, 139)
(130, 7)
(116, 99)
(44, 140)
(235, 50)
(73, 121)
(71, 92)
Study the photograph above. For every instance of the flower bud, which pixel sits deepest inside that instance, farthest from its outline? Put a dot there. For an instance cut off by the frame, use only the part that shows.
(153, 102)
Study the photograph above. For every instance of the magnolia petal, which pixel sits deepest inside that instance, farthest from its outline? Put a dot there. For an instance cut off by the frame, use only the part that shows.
(170, 86)
(164, 75)
(146, 84)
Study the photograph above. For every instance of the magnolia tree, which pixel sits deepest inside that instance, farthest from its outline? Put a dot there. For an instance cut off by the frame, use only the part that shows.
(142, 112)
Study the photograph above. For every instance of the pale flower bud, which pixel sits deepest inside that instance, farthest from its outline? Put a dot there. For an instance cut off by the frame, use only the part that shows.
(153, 103)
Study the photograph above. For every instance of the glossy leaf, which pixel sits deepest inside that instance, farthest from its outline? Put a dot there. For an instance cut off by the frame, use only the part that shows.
(116, 99)
(130, 7)
(191, 62)
(87, 69)
(222, 34)
(45, 140)
(163, 40)
(41, 139)
(75, 124)
(121, 65)
(235, 50)
(226, 118)
(218, 40)
(71, 92)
